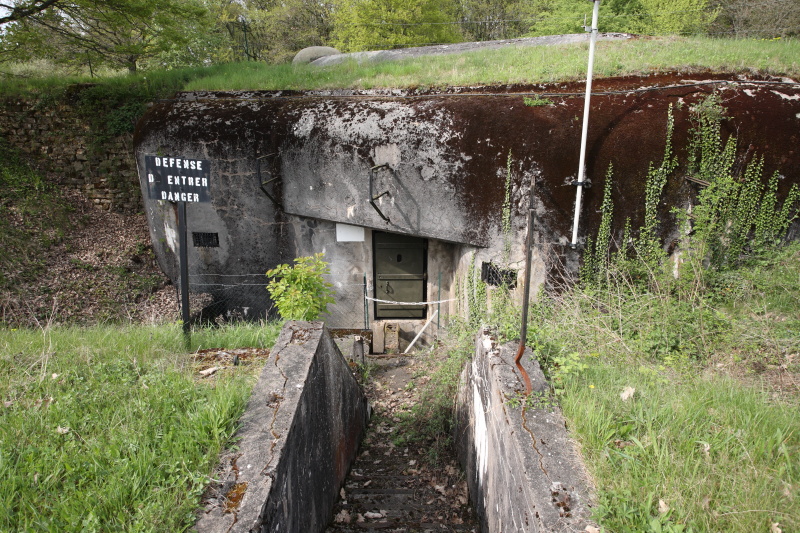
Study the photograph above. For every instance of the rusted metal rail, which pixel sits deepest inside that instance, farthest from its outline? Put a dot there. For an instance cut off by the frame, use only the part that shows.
(523, 335)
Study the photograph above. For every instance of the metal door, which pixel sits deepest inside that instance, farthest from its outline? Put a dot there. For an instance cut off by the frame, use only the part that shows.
(400, 274)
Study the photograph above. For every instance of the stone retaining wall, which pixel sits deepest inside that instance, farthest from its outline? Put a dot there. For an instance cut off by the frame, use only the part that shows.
(60, 143)
(523, 471)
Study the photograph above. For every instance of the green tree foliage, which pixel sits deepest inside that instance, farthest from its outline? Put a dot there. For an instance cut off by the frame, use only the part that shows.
(300, 292)
(758, 18)
(650, 17)
(274, 30)
(21, 9)
(205, 42)
(294, 25)
(97, 32)
(384, 24)
(681, 17)
(486, 20)
(553, 17)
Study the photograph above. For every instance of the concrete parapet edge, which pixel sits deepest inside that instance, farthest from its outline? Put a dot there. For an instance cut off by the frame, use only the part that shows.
(300, 432)
(523, 470)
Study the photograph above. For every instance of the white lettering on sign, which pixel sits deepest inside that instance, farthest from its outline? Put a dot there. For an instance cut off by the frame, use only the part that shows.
(191, 181)
(180, 196)
(151, 178)
(172, 162)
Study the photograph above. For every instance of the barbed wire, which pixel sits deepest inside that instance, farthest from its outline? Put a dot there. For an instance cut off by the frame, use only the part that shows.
(260, 274)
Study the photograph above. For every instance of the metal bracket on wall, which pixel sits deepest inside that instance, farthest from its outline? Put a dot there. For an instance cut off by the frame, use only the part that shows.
(698, 181)
(263, 184)
(372, 197)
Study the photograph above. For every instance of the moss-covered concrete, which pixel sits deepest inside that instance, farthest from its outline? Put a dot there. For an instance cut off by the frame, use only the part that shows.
(441, 158)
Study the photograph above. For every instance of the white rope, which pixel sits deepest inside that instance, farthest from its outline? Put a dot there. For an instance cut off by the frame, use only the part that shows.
(408, 303)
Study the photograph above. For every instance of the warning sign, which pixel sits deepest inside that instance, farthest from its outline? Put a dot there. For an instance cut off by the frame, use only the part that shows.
(178, 179)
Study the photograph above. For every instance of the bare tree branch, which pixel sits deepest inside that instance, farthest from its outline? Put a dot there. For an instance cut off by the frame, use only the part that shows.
(21, 10)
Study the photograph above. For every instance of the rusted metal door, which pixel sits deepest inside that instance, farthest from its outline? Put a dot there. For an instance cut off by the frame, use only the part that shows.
(400, 275)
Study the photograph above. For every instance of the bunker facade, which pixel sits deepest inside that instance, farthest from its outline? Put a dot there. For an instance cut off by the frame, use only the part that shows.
(409, 194)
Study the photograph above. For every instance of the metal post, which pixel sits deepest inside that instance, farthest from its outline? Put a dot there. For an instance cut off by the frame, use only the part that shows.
(523, 334)
(439, 305)
(184, 269)
(584, 133)
(366, 304)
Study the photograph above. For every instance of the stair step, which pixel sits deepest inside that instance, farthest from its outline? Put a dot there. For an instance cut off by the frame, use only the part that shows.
(399, 485)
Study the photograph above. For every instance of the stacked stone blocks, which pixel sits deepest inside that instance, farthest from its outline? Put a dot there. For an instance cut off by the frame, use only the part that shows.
(60, 143)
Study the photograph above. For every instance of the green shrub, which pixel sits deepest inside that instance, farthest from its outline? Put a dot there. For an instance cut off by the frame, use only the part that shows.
(300, 292)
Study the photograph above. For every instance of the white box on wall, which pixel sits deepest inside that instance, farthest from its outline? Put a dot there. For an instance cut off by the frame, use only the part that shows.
(348, 233)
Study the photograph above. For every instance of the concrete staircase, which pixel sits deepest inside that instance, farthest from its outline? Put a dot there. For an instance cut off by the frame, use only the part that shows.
(392, 487)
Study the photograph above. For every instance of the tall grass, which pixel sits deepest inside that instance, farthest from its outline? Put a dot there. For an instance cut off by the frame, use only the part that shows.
(706, 442)
(719, 455)
(158, 83)
(106, 428)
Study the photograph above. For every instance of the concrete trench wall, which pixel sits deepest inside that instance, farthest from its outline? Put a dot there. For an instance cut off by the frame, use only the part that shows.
(299, 434)
(523, 471)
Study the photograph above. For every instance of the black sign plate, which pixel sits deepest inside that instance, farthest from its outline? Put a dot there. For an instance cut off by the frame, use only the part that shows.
(178, 179)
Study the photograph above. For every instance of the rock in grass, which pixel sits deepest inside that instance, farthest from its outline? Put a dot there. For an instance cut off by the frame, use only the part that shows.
(307, 55)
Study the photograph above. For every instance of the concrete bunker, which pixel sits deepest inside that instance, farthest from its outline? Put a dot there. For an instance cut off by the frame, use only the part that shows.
(301, 173)
(432, 175)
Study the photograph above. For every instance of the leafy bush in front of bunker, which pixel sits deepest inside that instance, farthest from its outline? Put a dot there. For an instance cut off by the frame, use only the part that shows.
(300, 292)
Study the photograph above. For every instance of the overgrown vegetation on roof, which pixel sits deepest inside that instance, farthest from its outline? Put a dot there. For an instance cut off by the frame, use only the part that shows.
(490, 67)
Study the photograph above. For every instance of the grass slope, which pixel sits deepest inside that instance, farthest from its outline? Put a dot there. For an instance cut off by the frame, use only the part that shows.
(107, 429)
(521, 65)
(709, 440)
(698, 452)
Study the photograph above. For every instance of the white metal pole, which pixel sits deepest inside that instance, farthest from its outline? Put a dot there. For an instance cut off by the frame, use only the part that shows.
(584, 133)
(421, 331)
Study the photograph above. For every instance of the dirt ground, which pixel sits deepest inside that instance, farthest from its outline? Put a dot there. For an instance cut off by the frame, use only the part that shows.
(102, 270)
